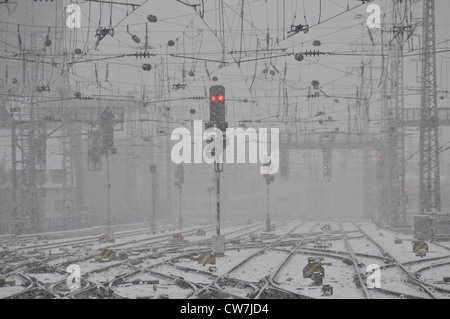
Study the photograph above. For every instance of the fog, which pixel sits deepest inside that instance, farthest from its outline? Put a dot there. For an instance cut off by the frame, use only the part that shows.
(247, 49)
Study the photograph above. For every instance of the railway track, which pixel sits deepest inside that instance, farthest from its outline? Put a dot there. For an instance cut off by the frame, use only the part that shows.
(257, 265)
(411, 278)
(43, 257)
(361, 278)
(249, 288)
(40, 265)
(152, 269)
(349, 272)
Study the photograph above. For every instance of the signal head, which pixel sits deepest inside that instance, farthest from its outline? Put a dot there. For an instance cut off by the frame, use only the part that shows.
(217, 104)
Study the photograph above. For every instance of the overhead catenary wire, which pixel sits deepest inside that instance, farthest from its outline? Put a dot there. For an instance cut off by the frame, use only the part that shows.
(268, 58)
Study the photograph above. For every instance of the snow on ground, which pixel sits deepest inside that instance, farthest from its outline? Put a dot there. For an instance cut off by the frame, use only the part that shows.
(365, 262)
(436, 276)
(394, 279)
(223, 264)
(192, 277)
(425, 263)
(90, 265)
(339, 276)
(287, 226)
(446, 244)
(239, 290)
(303, 228)
(110, 274)
(353, 234)
(336, 245)
(403, 252)
(147, 263)
(379, 295)
(11, 290)
(8, 291)
(239, 232)
(133, 291)
(260, 266)
(48, 278)
(365, 247)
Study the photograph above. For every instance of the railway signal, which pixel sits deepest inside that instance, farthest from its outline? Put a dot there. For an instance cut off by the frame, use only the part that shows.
(217, 104)
(326, 229)
(178, 237)
(284, 163)
(419, 245)
(217, 110)
(107, 121)
(380, 167)
(314, 270)
(327, 165)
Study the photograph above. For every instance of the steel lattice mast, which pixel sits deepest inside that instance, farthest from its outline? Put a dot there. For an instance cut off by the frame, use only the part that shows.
(393, 205)
(401, 32)
(430, 192)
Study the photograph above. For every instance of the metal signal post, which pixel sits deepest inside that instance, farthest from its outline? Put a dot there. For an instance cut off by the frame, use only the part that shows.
(268, 178)
(180, 220)
(179, 175)
(268, 227)
(153, 222)
(218, 120)
(218, 168)
(107, 121)
(209, 189)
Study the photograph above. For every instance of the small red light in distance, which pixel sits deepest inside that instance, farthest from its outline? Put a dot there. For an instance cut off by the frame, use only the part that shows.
(221, 98)
(213, 98)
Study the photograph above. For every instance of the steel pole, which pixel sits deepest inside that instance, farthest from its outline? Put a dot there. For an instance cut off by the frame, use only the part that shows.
(268, 209)
(209, 207)
(108, 189)
(14, 169)
(153, 225)
(180, 221)
(218, 201)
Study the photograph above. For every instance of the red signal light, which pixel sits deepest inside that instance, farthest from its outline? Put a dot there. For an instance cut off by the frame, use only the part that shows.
(219, 98)
(378, 159)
